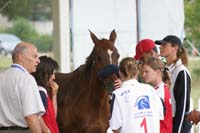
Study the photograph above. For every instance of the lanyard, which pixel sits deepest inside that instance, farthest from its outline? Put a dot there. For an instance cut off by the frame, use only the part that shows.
(16, 66)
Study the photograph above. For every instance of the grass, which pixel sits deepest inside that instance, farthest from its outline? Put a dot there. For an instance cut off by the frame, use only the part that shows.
(194, 68)
(5, 61)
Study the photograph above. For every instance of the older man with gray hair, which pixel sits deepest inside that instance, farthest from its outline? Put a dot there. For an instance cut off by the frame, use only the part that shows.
(20, 102)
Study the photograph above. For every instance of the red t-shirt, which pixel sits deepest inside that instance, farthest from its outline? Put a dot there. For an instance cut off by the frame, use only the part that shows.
(166, 124)
(50, 118)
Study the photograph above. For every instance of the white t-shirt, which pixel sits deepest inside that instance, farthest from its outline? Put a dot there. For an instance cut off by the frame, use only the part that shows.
(136, 108)
(19, 97)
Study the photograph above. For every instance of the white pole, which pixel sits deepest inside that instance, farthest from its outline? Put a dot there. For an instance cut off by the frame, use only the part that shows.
(192, 46)
(61, 34)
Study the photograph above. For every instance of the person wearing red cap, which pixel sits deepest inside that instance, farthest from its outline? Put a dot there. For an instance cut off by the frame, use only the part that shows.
(145, 49)
(176, 56)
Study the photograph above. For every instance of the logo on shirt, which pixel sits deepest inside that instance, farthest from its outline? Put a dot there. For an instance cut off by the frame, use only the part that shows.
(125, 92)
(142, 102)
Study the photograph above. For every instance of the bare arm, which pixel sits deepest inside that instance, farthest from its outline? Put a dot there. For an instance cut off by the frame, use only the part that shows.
(117, 83)
(54, 87)
(54, 100)
(33, 123)
(44, 127)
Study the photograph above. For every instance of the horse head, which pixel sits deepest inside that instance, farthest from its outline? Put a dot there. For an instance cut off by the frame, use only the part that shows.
(104, 52)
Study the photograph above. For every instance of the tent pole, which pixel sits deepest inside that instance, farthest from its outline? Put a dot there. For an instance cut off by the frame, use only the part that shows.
(137, 21)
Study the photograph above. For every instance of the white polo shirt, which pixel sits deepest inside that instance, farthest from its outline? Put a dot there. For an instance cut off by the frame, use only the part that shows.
(137, 108)
(19, 97)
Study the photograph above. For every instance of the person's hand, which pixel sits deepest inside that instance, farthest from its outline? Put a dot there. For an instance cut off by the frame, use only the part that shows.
(117, 83)
(194, 116)
(54, 86)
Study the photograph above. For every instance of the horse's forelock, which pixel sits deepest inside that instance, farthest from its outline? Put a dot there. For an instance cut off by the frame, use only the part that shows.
(106, 42)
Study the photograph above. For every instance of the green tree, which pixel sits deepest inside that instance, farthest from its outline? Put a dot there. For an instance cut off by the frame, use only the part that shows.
(192, 21)
(29, 9)
(22, 28)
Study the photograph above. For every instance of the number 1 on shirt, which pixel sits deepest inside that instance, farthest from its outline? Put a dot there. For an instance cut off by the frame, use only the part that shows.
(144, 123)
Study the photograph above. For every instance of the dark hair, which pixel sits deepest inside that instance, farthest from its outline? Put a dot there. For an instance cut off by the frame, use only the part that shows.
(44, 70)
(155, 64)
(155, 49)
(182, 54)
(128, 66)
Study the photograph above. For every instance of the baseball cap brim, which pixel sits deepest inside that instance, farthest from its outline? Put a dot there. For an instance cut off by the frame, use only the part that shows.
(170, 39)
(160, 42)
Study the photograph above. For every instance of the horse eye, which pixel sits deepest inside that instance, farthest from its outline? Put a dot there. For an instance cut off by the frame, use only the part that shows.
(117, 56)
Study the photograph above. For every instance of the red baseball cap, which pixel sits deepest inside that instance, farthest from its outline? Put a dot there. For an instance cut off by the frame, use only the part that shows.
(143, 46)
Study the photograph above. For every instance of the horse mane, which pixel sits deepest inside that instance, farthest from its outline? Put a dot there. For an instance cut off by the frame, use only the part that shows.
(90, 60)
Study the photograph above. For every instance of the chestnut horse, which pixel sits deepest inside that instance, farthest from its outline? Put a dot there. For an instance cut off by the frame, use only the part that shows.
(83, 105)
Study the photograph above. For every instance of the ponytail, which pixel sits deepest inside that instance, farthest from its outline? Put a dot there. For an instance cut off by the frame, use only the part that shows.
(166, 77)
(182, 54)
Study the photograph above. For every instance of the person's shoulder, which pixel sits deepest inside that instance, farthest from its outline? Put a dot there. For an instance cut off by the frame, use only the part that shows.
(26, 78)
(2, 72)
(181, 70)
(5, 70)
(42, 89)
(118, 90)
(145, 86)
(179, 67)
(11, 73)
(122, 90)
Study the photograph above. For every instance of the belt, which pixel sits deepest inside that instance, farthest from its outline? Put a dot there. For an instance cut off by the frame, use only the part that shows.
(13, 128)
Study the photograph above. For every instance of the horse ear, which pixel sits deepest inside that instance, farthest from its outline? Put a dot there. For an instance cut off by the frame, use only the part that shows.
(94, 38)
(113, 36)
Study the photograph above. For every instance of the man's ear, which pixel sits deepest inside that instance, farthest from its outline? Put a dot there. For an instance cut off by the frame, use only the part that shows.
(20, 57)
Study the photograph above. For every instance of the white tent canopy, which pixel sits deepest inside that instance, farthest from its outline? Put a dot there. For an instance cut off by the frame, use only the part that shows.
(156, 19)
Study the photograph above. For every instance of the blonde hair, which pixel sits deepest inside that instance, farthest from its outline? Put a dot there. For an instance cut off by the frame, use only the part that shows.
(128, 66)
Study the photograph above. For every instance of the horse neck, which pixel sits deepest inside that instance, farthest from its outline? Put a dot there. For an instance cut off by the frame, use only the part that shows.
(94, 81)
(97, 89)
